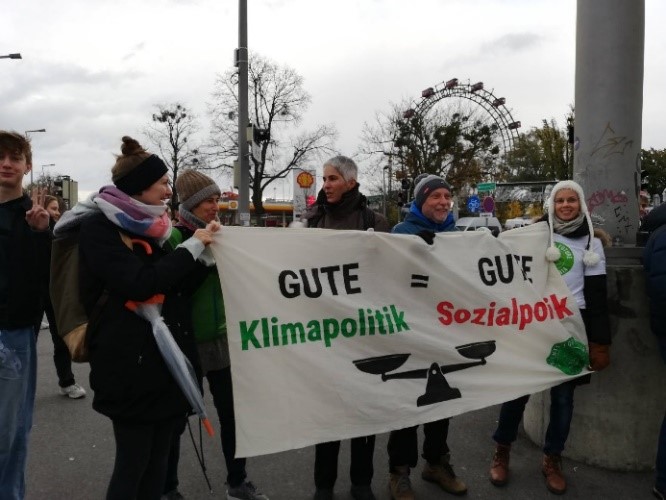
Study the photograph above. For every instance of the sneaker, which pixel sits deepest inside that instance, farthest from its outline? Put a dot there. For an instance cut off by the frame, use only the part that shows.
(443, 475)
(499, 470)
(323, 494)
(172, 495)
(244, 491)
(362, 492)
(658, 494)
(400, 485)
(552, 471)
(74, 391)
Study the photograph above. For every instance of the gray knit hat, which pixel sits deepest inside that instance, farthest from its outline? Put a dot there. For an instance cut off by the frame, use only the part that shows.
(194, 187)
(425, 184)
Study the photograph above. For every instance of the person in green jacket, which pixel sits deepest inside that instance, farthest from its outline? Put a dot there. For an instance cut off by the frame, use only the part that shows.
(199, 195)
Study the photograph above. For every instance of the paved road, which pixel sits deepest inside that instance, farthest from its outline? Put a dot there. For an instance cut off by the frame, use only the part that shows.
(72, 449)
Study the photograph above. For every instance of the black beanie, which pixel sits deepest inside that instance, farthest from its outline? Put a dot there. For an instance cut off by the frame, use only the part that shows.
(142, 176)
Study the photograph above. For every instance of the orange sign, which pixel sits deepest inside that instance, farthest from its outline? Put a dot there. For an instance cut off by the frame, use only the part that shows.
(305, 179)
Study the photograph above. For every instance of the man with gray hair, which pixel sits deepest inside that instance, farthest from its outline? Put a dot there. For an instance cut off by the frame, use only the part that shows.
(340, 205)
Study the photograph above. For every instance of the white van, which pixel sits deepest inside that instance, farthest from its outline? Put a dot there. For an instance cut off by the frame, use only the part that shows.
(474, 223)
(517, 222)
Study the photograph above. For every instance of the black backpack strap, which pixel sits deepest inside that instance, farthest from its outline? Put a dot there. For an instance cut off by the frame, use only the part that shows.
(368, 218)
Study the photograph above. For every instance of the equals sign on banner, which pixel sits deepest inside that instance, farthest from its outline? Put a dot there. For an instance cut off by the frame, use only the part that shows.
(419, 281)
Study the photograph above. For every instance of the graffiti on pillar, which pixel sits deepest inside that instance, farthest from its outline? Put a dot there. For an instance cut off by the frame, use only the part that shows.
(606, 195)
(618, 202)
(610, 144)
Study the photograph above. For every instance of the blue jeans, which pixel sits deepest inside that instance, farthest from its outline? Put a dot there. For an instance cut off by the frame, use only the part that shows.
(661, 447)
(561, 411)
(18, 374)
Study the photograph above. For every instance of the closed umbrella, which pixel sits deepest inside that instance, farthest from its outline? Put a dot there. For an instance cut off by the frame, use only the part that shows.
(179, 366)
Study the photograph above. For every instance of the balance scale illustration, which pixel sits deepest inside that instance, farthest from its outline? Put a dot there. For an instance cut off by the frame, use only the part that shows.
(437, 388)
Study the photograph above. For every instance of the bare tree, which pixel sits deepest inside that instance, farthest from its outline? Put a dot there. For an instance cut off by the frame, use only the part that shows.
(171, 131)
(277, 103)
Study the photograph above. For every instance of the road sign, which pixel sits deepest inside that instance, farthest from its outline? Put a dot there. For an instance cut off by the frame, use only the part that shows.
(473, 203)
(486, 186)
(488, 204)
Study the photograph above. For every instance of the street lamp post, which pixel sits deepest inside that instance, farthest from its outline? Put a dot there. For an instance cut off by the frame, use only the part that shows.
(12, 56)
(384, 186)
(47, 165)
(243, 150)
(27, 135)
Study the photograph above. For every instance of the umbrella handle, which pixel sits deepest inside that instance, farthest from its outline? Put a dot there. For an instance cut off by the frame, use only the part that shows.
(132, 305)
(208, 426)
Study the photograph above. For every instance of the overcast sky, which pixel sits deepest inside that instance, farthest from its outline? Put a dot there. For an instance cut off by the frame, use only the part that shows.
(93, 71)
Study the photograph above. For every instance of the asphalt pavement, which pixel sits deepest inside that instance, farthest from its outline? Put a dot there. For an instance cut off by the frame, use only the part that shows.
(72, 452)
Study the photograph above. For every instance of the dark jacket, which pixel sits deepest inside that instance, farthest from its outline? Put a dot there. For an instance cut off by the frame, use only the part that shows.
(26, 266)
(127, 373)
(416, 222)
(351, 212)
(654, 262)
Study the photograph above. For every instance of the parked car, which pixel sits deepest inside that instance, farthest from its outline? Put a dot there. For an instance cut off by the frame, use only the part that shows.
(474, 223)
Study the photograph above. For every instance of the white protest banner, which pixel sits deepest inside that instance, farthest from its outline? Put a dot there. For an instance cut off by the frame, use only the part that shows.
(339, 334)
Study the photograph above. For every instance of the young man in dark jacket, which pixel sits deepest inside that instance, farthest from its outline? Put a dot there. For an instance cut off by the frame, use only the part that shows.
(654, 261)
(24, 247)
(340, 205)
(429, 213)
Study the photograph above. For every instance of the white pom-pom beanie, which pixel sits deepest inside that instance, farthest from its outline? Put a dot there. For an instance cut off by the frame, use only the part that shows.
(553, 254)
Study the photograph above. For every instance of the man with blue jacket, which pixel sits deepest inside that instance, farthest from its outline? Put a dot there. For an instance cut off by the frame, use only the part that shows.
(430, 213)
(431, 209)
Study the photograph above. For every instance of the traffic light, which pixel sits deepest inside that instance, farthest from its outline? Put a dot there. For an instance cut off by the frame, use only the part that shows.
(261, 135)
(57, 187)
(405, 184)
(401, 198)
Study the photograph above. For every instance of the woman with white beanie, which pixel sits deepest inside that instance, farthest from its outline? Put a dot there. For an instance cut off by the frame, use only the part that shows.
(579, 257)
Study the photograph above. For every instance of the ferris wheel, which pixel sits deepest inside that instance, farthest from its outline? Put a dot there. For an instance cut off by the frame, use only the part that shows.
(493, 106)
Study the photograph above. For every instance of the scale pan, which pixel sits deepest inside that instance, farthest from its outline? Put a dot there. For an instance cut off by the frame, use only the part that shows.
(477, 350)
(381, 364)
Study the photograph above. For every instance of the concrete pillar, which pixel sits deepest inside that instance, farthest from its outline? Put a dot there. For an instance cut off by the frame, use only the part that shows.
(608, 111)
(618, 415)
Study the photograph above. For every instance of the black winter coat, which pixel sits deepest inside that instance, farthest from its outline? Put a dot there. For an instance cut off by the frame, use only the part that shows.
(27, 267)
(351, 212)
(127, 373)
(654, 261)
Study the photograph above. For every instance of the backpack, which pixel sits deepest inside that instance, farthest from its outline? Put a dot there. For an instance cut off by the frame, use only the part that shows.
(71, 318)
